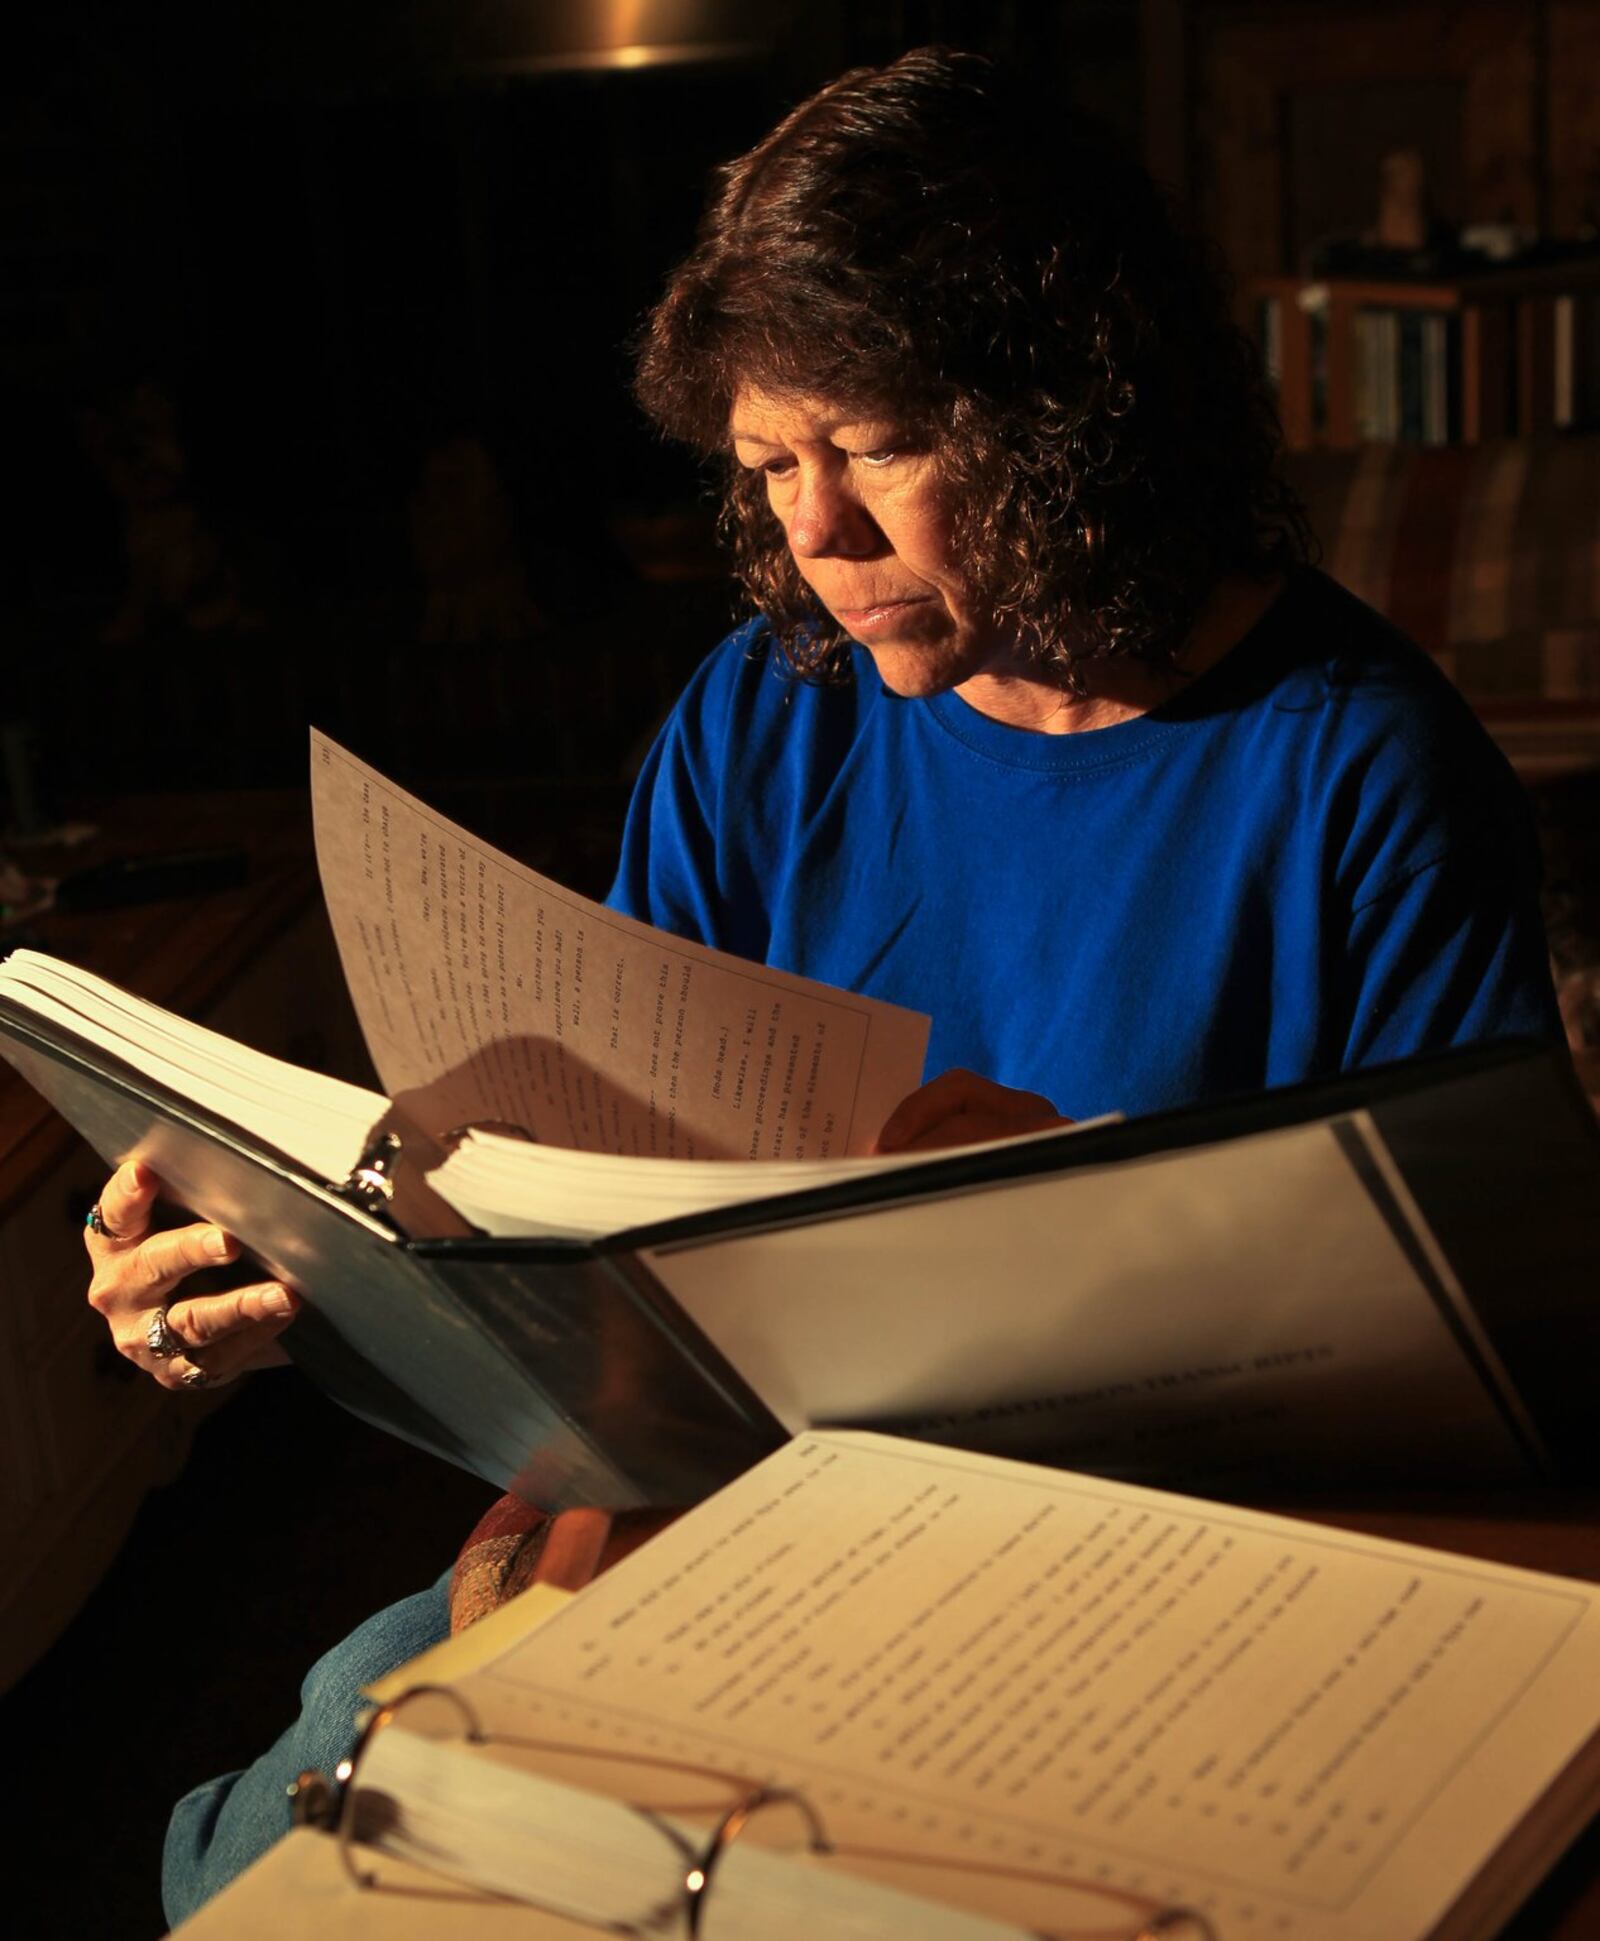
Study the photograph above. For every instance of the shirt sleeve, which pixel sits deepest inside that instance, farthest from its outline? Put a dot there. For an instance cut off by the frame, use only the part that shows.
(1453, 954)
(1437, 872)
(676, 870)
(667, 866)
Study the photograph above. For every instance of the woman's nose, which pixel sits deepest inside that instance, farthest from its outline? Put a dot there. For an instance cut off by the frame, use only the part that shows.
(829, 521)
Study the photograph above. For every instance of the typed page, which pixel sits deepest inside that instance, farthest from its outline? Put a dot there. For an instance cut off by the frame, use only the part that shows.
(1300, 1731)
(488, 993)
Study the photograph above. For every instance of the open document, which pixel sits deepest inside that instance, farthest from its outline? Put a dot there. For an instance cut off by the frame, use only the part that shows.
(489, 993)
(1043, 1703)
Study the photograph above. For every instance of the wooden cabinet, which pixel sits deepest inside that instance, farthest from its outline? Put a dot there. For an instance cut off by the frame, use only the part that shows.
(83, 1434)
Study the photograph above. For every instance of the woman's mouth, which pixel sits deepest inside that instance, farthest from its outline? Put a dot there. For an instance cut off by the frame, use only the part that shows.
(881, 617)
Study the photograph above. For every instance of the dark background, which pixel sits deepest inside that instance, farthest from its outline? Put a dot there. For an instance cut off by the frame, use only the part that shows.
(313, 362)
(314, 387)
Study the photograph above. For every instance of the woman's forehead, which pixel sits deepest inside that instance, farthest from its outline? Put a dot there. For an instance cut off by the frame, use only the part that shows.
(762, 417)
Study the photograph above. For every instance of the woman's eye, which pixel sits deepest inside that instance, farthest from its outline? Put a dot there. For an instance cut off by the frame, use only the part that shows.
(883, 455)
(777, 468)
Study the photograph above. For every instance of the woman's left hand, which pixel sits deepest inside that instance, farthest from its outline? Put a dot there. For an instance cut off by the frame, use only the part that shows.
(960, 1108)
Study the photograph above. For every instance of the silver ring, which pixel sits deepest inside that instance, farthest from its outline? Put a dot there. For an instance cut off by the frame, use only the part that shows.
(95, 1221)
(162, 1339)
(195, 1378)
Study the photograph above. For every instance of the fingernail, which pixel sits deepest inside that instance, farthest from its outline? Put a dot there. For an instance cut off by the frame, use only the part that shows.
(278, 1300)
(217, 1244)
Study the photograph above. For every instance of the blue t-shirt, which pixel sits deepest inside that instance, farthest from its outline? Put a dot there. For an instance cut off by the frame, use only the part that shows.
(1311, 859)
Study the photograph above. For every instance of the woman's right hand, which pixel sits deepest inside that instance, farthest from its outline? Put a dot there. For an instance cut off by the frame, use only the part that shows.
(138, 1273)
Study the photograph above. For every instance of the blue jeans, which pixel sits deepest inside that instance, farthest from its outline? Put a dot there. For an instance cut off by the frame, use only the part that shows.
(219, 1828)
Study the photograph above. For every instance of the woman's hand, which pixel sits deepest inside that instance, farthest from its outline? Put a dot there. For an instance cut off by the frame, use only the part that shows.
(959, 1108)
(208, 1338)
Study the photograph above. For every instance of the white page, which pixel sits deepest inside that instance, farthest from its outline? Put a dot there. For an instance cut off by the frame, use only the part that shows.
(299, 1886)
(319, 1121)
(516, 1190)
(1303, 1732)
(1244, 1303)
(487, 992)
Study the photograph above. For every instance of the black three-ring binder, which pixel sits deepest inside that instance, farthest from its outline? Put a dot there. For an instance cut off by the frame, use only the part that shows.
(563, 1369)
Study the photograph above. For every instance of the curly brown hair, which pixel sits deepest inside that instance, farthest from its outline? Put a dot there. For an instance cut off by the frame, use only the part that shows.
(928, 237)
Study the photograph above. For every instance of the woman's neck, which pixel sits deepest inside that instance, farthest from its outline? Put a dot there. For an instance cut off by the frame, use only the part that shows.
(1123, 690)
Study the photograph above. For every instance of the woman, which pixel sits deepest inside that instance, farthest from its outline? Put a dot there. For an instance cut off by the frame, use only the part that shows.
(1044, 726)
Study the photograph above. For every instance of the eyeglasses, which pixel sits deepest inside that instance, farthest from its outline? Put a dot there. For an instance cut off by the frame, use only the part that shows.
(615, 1852)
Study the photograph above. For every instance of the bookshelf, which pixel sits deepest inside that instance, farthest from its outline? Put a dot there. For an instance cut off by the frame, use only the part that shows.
(1452, 360)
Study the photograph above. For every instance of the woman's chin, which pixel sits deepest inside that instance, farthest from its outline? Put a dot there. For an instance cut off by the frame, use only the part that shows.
(914, 670)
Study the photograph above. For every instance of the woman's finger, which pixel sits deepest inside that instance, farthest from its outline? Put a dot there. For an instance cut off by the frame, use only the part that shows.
(963, 1108)
(956, 1129)
(136, 1277)
(922, 1110)
(215, 1367)
(261, 1310)
(124, 1207)
(167, 1258)
(220, 1335)
(240, 1354)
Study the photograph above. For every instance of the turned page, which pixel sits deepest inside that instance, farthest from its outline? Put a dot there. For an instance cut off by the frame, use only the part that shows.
(489, 993)
(1298, 1730)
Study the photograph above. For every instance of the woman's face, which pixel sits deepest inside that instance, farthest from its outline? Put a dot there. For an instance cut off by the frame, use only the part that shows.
(869, 525)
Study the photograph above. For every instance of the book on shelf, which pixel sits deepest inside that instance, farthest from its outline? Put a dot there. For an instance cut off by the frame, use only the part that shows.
(1575, 383)
(1441, 378)
(1437, 360)
(1406, 376)
(691, 1257)
(874, 1688)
